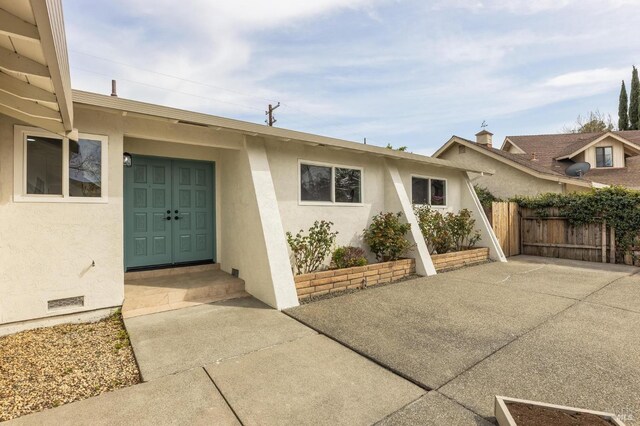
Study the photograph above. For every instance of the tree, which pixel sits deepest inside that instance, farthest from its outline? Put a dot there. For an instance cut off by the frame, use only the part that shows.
(400, 148)
(634, 104)
(596, 122)
(623, 107)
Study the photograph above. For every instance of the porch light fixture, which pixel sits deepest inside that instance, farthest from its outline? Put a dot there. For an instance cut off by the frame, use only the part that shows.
(126, 159)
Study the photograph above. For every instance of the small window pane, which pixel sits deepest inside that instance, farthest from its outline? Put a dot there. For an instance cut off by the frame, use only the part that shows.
(438, 192)
(348, 185)
(85, 168)
(420, 190)
(604, 156)
(44, 165)
(315, 183)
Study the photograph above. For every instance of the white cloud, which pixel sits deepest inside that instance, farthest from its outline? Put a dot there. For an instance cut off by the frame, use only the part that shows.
(599, 77)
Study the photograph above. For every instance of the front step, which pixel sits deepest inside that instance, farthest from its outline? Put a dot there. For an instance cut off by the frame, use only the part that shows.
(147, 293)
(162, 272)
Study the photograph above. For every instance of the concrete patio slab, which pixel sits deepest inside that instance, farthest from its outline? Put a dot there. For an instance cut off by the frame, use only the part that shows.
(587, 357)
(313, 380)
(430, 329)
(555, 279)
(623, 293)
(185, 398)
(434, 409)
(169, 342)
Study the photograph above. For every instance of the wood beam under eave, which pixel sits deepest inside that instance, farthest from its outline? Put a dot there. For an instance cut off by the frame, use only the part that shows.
(28, 107)
(13, 26)
(50, 125)
(24, 90)
(11, 61)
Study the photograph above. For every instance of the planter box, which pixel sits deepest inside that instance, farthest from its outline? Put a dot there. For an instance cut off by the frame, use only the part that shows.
(504, 417)
(458, 259)
(331, 281)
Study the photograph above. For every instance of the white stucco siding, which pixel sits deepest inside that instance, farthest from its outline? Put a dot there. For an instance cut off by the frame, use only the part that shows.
(349, 220)
(507, 181)
(47, 249)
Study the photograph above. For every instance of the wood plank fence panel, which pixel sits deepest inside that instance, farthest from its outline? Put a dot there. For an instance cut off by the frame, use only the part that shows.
(506, 225)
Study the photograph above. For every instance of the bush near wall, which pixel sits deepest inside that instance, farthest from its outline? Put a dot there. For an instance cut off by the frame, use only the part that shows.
(320, 283)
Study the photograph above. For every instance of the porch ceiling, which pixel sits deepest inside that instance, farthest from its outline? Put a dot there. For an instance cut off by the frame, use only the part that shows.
(35, 85)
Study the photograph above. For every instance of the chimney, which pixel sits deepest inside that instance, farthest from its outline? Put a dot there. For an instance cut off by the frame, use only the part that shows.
(483, 137)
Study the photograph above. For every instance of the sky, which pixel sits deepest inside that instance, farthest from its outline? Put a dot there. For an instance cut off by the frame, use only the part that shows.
(405, 72)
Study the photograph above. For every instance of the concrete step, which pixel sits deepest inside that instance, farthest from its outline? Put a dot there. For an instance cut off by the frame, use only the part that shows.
(178, 270)
(151, 294)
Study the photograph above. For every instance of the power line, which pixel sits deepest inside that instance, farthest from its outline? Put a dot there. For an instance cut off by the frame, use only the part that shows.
(171, 76)
(285, 104)
(170, 90)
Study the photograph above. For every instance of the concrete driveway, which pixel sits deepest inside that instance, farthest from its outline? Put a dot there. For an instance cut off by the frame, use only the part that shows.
(558, 331)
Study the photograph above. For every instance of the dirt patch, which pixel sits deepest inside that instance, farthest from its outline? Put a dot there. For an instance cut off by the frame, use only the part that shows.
(48, 367)
(531, 415)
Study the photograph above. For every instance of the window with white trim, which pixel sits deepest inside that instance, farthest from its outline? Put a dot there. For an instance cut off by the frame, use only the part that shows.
(429, 191)
(50, 168)
(320, 183)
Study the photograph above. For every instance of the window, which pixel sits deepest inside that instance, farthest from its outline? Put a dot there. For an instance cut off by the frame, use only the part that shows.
(50, 168)
(604, 156)
(330, 184)
(44, 165)
(85, 168)
(428, 191)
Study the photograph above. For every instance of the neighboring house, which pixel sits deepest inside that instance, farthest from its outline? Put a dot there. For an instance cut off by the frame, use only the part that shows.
(535, 164)
(92, 186)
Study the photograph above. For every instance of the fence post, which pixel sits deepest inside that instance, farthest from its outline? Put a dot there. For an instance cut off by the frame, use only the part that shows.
(612, 245)
(604, 241)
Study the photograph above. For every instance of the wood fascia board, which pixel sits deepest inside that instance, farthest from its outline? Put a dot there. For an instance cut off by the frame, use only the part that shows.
(13, 26)
(25, 90)
(11, 61)
(50, 23)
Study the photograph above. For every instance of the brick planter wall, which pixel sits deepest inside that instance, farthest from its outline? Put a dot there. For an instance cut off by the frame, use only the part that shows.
(458, 259)
(319, 283)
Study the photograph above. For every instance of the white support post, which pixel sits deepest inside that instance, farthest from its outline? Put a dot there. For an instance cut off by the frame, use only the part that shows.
(486, 230)
(424, 264)
(279, 276)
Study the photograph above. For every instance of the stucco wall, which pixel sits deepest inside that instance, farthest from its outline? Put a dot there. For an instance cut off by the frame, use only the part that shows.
(507, 180)
(378, 192)
(46, 249)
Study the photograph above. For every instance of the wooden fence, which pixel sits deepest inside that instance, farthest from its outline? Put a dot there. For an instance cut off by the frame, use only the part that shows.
(526, 231)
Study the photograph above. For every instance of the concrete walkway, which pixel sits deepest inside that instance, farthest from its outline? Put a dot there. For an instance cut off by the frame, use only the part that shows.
(431, 351)
(239, 362)
(558, 331)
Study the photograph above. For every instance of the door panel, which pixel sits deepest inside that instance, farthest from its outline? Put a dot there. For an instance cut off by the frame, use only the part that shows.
(194, 229)
(183, 191)
(148, 233)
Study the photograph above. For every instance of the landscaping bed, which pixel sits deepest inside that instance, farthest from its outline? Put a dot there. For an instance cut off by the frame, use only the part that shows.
(336, 280)
(48, 367)
(458, 259)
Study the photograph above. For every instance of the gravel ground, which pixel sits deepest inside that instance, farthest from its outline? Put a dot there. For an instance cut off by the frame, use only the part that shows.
(48, 367)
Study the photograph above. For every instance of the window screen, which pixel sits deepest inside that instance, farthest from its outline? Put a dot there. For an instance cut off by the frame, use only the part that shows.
(315, 183)
(44, 165)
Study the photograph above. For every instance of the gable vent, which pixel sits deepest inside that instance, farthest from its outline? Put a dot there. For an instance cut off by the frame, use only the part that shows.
(68, 302)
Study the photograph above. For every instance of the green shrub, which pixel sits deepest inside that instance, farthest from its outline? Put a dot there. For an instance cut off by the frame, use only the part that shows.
(386, 236)
(485, 196)
(448, 232)
(347, 257)
(310, 251)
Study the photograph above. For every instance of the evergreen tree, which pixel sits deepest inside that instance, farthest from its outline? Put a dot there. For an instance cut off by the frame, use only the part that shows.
(634, 104)
(623, 106)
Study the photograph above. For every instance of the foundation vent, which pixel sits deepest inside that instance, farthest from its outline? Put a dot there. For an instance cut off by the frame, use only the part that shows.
(68, 302)
(235, 272)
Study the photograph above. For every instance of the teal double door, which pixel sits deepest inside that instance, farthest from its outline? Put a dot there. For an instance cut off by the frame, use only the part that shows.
(169, 215)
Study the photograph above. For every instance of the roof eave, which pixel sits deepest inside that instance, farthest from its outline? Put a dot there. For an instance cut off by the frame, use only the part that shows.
(252, 129)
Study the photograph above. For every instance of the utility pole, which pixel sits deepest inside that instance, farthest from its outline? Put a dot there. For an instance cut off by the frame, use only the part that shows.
(270, 118)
